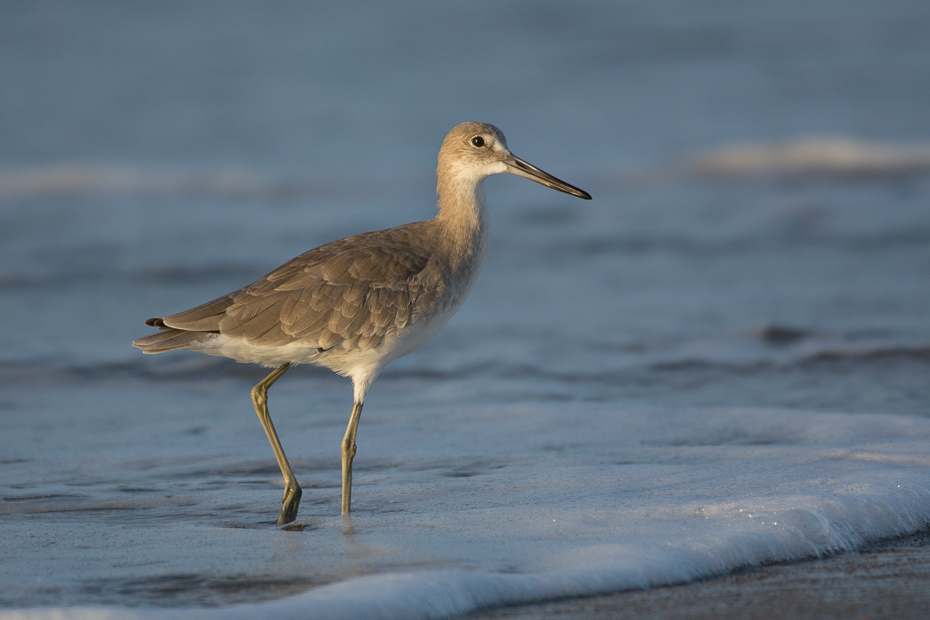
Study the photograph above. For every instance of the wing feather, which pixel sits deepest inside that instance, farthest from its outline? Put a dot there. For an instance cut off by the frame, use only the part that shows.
(348, 293)
(204, 318)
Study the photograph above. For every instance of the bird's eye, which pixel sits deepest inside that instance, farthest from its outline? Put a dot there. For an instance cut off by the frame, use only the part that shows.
(477, 141)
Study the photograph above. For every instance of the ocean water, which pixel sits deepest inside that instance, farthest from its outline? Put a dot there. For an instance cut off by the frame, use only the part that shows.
(721, 361)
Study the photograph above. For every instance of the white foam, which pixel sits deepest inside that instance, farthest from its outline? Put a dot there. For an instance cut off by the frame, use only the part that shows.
(628, 500)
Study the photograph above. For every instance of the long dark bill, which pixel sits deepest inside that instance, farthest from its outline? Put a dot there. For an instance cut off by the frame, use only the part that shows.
(528, 171)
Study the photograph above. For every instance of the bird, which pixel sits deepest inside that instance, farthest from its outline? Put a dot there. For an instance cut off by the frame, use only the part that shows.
(356, 304)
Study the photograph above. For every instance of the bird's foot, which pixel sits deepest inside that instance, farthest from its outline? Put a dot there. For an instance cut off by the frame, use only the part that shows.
(290, 504)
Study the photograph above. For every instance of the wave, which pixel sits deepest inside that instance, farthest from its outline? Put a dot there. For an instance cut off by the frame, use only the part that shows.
(825, 157)
(94, 179)
(771, 352)
(841, 524)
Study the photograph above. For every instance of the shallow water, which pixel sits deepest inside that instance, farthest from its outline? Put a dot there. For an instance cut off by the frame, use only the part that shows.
(703, 340)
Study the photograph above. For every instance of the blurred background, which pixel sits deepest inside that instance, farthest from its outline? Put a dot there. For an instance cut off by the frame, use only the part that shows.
(759, 239)
(760, 232)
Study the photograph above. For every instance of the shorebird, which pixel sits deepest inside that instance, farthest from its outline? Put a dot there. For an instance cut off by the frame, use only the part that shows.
(356, 304)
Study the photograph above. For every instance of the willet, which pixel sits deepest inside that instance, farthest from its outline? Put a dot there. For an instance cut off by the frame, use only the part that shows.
(356, 304)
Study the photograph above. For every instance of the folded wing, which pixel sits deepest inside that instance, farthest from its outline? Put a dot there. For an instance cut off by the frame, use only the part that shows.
(348, 294)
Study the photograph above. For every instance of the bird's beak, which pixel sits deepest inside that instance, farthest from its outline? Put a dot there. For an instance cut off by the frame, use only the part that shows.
(517, 166)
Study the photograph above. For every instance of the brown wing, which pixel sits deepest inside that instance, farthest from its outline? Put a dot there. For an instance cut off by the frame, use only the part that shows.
(348, 293)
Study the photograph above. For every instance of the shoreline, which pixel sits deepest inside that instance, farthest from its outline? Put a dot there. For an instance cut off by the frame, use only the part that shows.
(888, 579)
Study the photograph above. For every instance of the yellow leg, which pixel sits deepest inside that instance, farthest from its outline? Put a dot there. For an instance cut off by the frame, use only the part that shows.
(292, 490)
(348, 453)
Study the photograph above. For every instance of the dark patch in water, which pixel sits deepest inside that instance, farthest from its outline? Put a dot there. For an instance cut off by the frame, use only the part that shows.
(137, 490)
(461, 474)
(779, 335)
(193, 589)
(734, 438)
(35, 496)
(30, 505)
(919, 353)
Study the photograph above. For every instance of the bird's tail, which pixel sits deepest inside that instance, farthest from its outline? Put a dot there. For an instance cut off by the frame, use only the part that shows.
(170, 339)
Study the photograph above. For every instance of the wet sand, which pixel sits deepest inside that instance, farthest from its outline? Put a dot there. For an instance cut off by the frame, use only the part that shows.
(888, 580)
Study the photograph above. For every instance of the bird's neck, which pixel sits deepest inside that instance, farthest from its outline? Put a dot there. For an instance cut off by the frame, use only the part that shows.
(463, 215)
